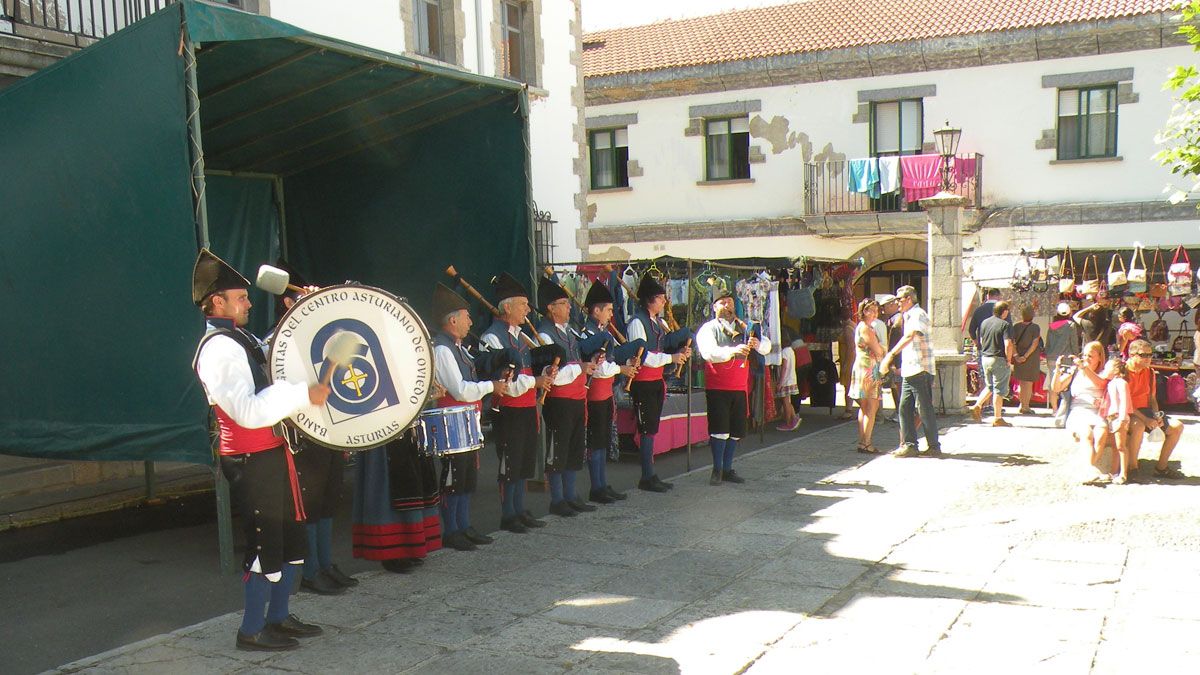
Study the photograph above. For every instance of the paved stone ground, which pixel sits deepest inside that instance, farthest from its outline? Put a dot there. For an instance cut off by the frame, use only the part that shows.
(994, 559)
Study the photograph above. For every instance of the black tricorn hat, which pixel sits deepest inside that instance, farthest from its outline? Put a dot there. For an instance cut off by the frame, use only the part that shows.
(649, 288)
(506, 286)
(598, 294)
(446, 301)
(549, 292)
(213, 275)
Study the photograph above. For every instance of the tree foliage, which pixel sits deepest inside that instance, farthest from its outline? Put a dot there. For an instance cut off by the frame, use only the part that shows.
(1180, 137)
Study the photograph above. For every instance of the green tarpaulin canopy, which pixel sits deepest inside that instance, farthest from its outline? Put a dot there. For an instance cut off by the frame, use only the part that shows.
(354, 164)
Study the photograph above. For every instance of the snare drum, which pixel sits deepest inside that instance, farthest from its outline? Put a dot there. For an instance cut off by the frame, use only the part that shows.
(449, 431)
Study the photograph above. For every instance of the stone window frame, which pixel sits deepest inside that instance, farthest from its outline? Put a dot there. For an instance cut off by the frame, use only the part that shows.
(709, 179)
(452, 30)
(1120, 78)
(533, 55)
(601, 123)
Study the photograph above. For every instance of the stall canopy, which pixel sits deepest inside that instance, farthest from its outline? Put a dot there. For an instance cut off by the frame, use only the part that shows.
(206, 125)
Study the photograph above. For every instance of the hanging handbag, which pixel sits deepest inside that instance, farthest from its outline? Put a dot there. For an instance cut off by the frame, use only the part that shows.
(1159, 332)
(1157, 282)
(1066, 273)
(1183, 344)
(1022, 277)
(1090, 286)
(1179, 274)
(1039, 272)
(1137, 275)
(1176, 390)
(1118, 280)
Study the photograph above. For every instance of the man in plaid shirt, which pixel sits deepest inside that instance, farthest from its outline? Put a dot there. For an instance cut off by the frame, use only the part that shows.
(916, 371)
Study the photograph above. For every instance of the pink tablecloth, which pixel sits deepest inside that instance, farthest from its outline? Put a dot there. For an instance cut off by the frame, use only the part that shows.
(672, 430)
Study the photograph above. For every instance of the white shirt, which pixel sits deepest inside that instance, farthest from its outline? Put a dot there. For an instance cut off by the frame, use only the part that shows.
(225, 374)
(708, 342)
(636, 331)
(520, 383)
(449, 375)
(566, 373)
(606, 368)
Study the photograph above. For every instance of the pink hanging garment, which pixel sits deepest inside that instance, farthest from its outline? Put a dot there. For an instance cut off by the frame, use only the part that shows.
(964, 169)
(919, 176)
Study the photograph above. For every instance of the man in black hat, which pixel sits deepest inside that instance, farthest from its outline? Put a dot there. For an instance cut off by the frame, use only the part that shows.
(649, 391)
(455, 370)
(599, 343)
(566, 403)
(254, 456)
(516, 425)
(320, 470)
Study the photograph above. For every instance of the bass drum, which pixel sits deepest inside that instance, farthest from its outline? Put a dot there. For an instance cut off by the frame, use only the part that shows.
(385, 386)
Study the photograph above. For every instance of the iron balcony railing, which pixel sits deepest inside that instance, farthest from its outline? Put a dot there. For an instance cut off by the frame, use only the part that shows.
(827, 189)
(87, 18)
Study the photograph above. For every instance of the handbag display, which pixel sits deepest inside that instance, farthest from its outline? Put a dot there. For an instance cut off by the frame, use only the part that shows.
(1176, 390)
(1157, 281)
(1118, 279)
(1090, 286)
(1042, 271)
(1066, 273)
(1022, 277)
(1179, 274)
(1159, 332)
(1183, 344)
(1137, 275)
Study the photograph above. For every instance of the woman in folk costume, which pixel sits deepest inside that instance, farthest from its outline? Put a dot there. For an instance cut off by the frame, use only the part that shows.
(648, 390)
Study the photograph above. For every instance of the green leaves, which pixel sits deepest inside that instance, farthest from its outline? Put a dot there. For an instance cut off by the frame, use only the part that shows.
(1180, 137)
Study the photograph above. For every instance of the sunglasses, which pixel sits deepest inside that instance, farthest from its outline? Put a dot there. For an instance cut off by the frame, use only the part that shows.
(1145, 354)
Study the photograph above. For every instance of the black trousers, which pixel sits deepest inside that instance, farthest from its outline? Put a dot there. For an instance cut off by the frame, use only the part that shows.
(320, 470)
(262, 493)
(516, 432)
(599, 425)
(648, 398)
(565, 433)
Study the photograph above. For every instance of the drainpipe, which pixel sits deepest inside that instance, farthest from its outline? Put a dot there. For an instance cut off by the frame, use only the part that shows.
(479, 36)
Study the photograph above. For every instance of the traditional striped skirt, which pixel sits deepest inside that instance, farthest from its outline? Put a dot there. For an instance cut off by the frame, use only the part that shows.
(396, 503)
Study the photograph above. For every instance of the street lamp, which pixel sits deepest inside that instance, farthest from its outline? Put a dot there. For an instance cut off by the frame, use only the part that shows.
(946, 142)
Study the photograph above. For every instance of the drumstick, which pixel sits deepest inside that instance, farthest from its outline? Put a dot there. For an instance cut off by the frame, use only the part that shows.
(483, 301)
(553, 369)
(275, 281)
(637, 359)
(340, 350)
(612, 329)
(679, 368)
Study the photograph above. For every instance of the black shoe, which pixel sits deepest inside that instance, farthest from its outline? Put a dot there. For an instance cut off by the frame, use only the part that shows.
(608, 489)
(580, 505)
(931, 452)
(398, 565)
(458, 541)
(563, 509)
(731, 476)
(340, 578)
(476, 538)
(663, 483)
(513, 524)
(322, 584)
(528, 520)
(600, 497)
(714, 478)
(652, 484)
(293, 627)
(266, 641)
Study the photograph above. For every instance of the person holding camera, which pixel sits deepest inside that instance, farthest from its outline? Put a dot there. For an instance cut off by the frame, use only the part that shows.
(1146, 416)
(1062, 341)
(1080, 378)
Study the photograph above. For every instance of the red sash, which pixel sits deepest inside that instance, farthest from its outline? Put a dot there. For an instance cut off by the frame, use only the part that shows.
(731, 375)
(576, 389)
(648, 374)
(601, 389)
(238, 440)
(526, 400)
(448, 401)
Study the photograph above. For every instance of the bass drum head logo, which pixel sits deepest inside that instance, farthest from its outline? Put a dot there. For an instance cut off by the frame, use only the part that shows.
(385, 384)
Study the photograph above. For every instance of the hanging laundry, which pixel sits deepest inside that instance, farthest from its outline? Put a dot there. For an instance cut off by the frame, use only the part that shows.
(889, 174)
(920, 176)
(677, 291)
(862, 175)
(964, 169)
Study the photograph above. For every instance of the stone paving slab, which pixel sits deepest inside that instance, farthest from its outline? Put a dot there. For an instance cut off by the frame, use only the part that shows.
(990, 560)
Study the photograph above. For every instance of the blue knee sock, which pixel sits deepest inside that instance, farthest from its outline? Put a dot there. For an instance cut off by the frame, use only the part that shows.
(646, 449)
(601, 469)
(507, 495)
(717, 445)
(555, 478)
(311, 564)
(730, 446)
(568, 482)
(463, 511)
(324, 543)
(449, 515)
(596, 469)
(257, 589)
(281, 590)
(519, 495)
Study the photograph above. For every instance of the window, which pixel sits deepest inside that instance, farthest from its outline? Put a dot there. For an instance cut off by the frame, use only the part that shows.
(897, 127)
(1087, 122)
(610, 158)
(727, 145)
(512, 14)
(428, 27)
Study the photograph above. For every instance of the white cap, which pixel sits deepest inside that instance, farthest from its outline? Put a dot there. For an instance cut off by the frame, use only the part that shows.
(1063, 309)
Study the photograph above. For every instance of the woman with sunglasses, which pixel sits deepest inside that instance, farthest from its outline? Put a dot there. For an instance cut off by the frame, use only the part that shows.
(1087, 392)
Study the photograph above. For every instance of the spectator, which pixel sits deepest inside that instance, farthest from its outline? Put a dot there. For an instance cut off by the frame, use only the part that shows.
(1062, 339)
(1086, 388)
(983, 313)
(1128, 331)
(1146, 416)
(1095, 321)
(995, 354)
(1027, 357)
(1116, 413)
(865, 378)
(893, 318)
(916, 370)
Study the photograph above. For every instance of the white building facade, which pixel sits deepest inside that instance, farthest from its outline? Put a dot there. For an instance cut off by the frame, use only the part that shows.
(744, 157)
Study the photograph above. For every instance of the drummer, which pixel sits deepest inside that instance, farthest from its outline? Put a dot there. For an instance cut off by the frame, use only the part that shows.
(566, 404)
(231, 364)
(454, 369)
(516, 425)
(597, 340)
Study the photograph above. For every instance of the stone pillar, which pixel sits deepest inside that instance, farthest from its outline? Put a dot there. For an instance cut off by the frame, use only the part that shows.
(945, 213)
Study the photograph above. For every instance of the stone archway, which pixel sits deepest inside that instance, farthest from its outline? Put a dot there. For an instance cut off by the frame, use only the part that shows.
(898, 248)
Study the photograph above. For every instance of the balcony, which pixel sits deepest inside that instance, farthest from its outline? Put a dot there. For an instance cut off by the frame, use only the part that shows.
(827, 190)
(77, 22)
